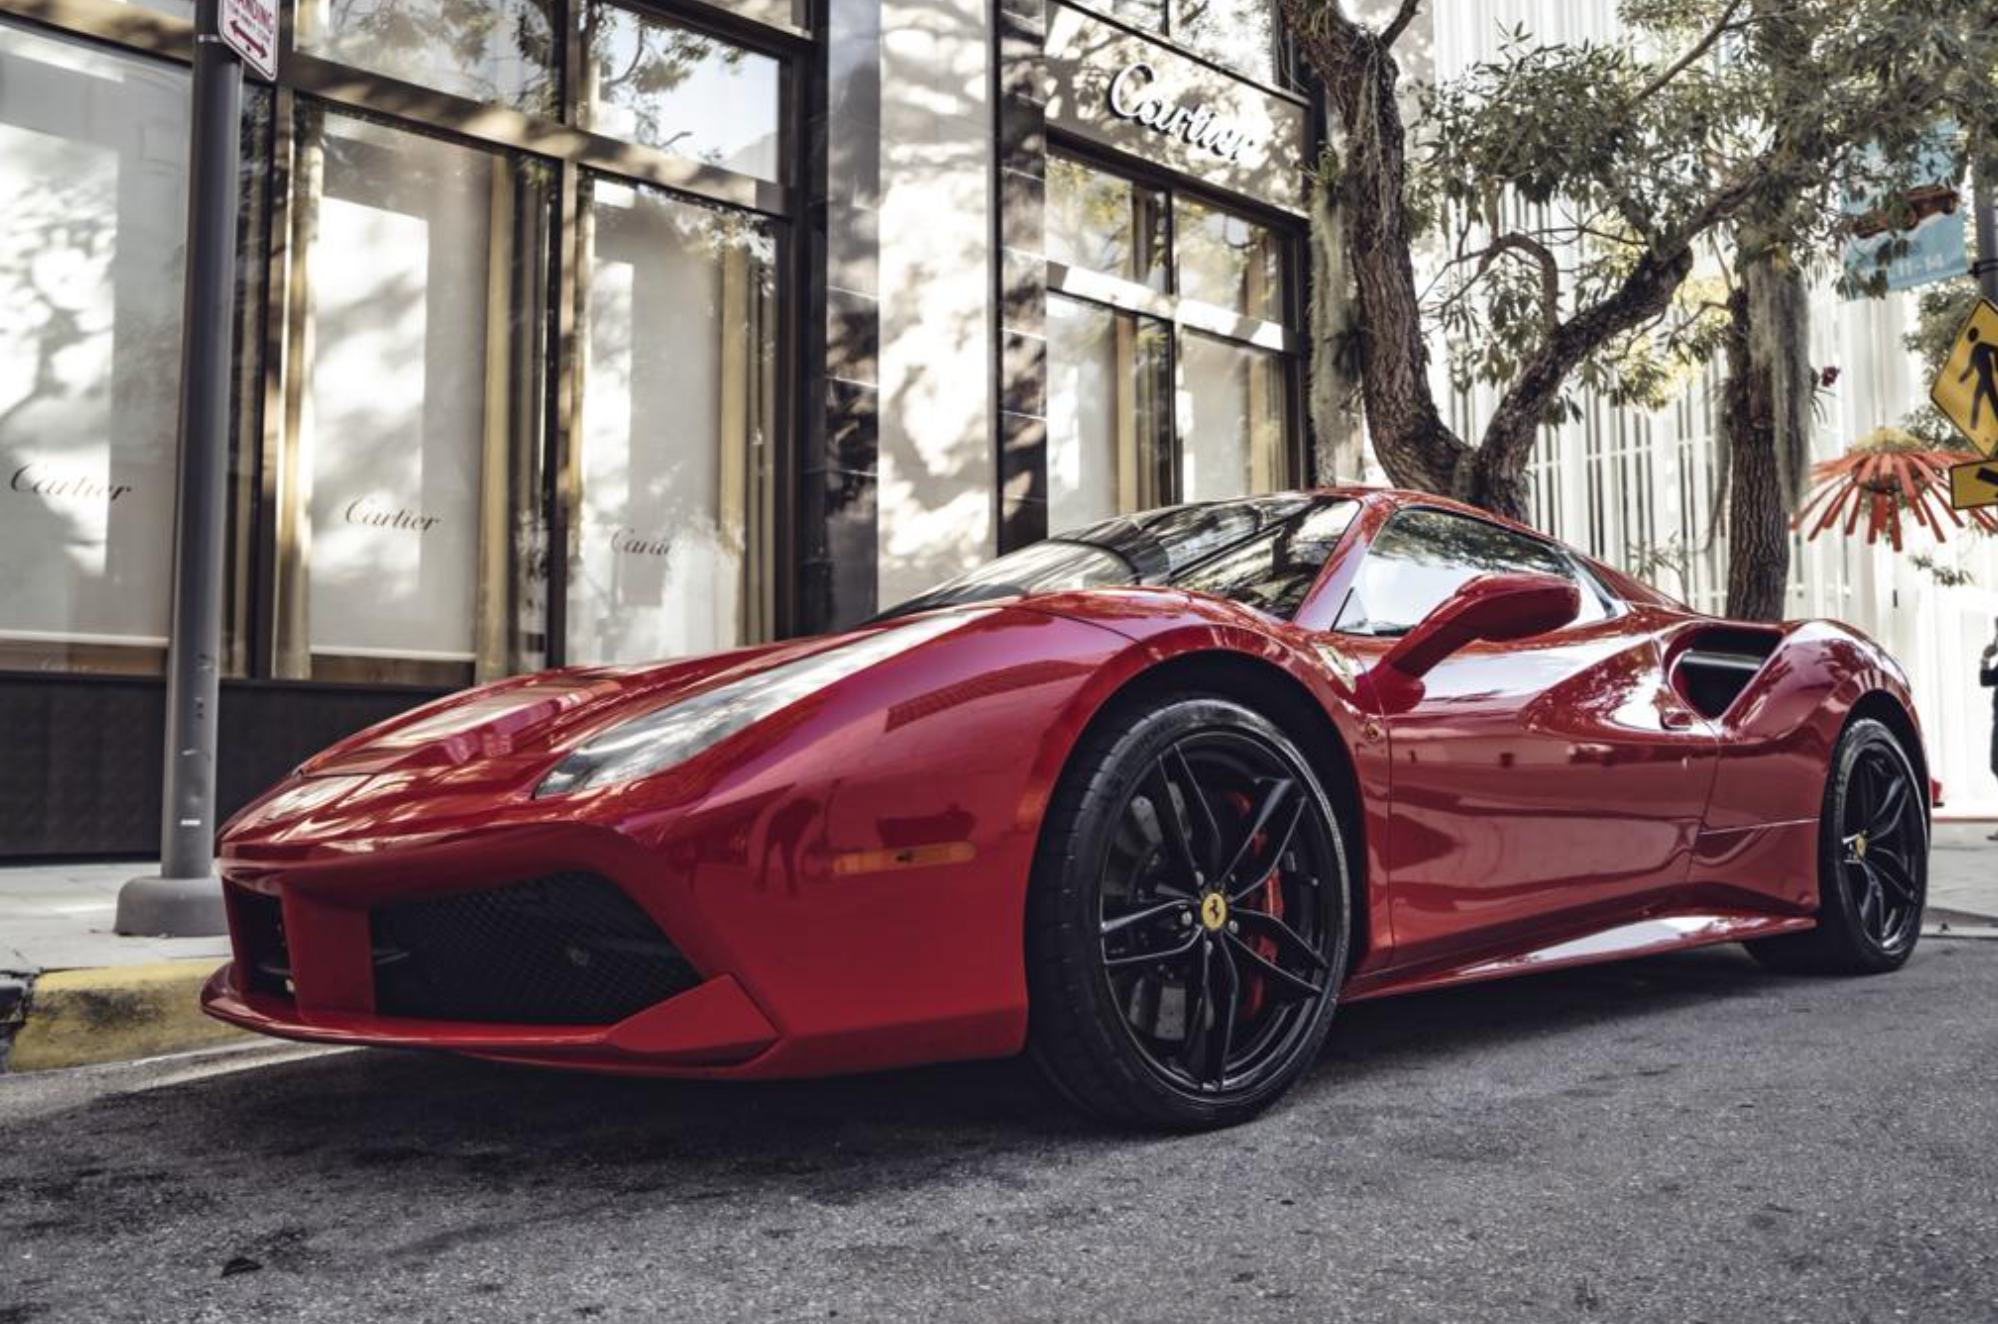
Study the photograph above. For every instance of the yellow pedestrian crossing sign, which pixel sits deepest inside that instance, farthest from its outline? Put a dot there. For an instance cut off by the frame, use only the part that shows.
(1966, 389)
(1973, 485)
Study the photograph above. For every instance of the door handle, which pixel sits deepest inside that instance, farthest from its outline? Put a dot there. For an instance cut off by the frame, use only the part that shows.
(1678, 719)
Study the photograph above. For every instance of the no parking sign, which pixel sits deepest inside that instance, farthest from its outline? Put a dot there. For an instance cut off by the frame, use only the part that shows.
(250, 28)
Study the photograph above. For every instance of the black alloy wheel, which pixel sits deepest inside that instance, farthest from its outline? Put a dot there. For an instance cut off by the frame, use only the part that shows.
(1883, 848)
(1189, 919)
(1873, 863)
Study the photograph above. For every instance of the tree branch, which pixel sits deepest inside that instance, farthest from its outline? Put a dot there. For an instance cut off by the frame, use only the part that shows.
(1550, 272)
(1686, 61)
(1406, 15)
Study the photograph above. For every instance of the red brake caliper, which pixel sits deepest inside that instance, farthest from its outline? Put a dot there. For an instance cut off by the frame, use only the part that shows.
(1272, 905)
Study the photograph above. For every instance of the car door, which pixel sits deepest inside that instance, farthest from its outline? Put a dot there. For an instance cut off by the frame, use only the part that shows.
(1555, 778)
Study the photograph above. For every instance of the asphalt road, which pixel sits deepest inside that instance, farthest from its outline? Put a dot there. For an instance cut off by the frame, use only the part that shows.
(1685, 1138)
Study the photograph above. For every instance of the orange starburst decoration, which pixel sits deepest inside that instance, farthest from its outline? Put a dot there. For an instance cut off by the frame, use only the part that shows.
(1886, 471)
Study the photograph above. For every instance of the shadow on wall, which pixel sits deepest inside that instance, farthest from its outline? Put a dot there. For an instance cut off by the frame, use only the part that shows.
(938, 466)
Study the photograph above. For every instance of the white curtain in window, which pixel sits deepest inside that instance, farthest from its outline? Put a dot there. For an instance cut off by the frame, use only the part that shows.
(670, 446)
(1083, 386)
(392, 431)
(93, 182)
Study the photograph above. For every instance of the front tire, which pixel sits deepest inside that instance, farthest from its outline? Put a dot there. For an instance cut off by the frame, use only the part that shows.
(1187, 920)
(1873, 863)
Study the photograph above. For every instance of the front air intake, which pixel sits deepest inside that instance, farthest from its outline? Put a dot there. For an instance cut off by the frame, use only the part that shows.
(564, 949)
(263, 955)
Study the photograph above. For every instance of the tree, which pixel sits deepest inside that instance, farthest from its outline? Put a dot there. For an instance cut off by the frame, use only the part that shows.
(1572, 189)
(1780, 239)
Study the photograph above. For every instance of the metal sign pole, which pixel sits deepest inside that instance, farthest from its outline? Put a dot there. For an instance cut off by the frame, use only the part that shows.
(185, 899)
(1982, 184)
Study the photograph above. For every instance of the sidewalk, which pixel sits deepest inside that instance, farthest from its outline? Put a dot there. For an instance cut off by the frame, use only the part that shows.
(1963, 876)
(73, 992)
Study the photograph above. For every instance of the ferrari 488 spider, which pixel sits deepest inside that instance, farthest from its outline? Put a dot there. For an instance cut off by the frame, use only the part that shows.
(1145, 801)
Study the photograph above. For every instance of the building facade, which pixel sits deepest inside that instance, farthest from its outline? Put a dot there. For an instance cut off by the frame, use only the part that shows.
(577, 331)
(581, 331)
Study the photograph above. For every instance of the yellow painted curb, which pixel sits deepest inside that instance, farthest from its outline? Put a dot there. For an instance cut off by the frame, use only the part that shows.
(116, 1014)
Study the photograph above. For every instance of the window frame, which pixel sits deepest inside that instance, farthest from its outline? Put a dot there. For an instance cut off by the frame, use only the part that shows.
(159, 41)
(1287, 338)
(773, 28)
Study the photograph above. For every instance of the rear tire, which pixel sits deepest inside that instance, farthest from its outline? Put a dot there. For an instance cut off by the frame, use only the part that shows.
(1873, 863)
(1183, 967)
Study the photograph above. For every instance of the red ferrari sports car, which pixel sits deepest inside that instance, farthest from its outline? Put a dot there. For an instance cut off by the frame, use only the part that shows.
(1145, 801)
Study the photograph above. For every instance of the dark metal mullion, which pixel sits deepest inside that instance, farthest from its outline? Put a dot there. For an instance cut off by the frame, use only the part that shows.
(784, 447)
(718, 20)
(564, 305)
(565, 398)
(1175, 481)
(275, 298)
(1296, 254)
(1111, 161)
(488, 127)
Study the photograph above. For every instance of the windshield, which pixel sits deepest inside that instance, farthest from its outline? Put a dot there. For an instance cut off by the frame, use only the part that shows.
(1262, 551)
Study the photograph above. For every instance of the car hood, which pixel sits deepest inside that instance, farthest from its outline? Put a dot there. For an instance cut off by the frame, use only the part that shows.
(532, 715)
(502, 737)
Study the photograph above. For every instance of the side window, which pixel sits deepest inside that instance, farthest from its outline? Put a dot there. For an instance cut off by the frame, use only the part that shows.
(1423, 556)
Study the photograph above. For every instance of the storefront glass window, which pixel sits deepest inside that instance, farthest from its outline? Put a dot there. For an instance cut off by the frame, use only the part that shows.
(670, 542)
(1232, 428)
(1227, 260)
(93, 166)
(405, 543)
(501, 51)
(1115, 444)
(1240, 34)
(681, 91)
(1109, 420)
(1100, 222)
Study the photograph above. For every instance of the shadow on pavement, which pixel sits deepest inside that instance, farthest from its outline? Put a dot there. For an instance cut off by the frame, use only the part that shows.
(416, 1119)
(1430, 1029)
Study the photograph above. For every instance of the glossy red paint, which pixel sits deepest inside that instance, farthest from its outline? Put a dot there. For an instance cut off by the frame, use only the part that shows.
(848, 875)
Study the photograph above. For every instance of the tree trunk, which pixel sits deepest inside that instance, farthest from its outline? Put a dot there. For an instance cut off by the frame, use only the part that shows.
(1497, 478)
(1409, 436)
(1758, 523)
(1767, 413)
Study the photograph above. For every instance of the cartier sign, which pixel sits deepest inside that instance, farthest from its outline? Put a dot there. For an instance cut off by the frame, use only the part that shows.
(1198, 125)
(1132, 94)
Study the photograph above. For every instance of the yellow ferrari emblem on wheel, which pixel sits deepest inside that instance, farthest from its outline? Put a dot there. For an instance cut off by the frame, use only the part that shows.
(1213, 910)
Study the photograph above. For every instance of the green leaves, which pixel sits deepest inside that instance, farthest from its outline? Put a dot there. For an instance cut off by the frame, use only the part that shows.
(1733, 125)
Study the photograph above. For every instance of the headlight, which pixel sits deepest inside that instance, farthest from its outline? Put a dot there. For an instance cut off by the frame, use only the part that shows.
(675, 733)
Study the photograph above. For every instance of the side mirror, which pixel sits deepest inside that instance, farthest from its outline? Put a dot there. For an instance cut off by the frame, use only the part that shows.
(1492, 607)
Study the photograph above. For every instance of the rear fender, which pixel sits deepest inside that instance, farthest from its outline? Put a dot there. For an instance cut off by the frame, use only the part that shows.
(1777, 737)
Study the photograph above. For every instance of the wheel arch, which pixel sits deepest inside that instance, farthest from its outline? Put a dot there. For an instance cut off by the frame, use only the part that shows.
(1887, 709)
(1267, 688)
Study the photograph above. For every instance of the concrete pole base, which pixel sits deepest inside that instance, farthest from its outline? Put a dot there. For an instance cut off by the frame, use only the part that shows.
(172, 908)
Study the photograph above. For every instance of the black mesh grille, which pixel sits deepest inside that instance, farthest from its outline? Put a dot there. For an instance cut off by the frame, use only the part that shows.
(260, 933)
(565, 949)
